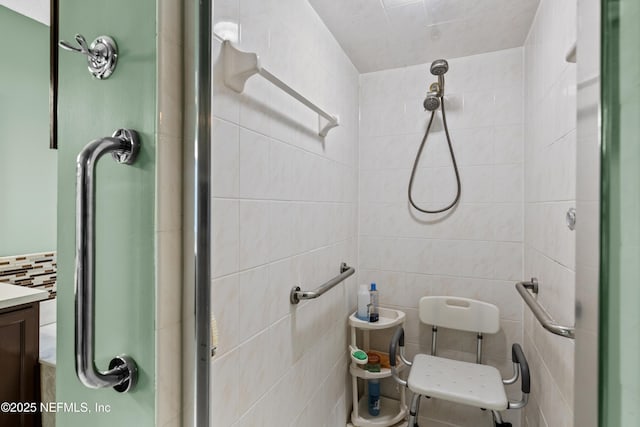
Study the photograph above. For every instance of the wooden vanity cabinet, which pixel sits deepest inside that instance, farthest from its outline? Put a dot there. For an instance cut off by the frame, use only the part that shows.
(19, 352)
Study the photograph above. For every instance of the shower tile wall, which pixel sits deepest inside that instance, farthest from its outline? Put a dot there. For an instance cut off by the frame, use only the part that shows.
(550, 190)
(475, 251)
(284, 214)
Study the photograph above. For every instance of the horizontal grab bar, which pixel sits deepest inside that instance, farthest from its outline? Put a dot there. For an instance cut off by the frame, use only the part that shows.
(541, 314)
(297, 294)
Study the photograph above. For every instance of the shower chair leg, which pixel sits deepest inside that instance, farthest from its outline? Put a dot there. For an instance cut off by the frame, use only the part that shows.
(497, 420)
(413, 411)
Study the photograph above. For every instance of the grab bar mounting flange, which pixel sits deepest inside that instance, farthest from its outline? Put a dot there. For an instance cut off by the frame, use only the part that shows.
(532, 285)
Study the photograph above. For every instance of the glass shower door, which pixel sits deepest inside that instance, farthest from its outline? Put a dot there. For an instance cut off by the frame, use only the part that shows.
(620, 216)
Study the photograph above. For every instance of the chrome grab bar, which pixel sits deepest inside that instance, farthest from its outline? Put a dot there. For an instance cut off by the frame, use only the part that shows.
(541, 314)
(123, 371)
(297, 294)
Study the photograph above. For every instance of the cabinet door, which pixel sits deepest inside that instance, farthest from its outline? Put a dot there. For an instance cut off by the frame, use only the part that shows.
(19, 362)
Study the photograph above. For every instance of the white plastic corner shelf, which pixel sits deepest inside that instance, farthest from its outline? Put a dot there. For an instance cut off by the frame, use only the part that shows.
(239, 66)
(392, 412)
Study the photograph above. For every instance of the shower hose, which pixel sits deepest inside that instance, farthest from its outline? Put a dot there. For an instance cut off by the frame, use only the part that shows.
(453, 158)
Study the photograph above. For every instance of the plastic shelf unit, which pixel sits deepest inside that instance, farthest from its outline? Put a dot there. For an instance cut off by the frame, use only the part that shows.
(392, 412)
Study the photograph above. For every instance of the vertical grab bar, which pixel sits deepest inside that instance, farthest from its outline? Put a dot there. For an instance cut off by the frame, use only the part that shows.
(123, 371)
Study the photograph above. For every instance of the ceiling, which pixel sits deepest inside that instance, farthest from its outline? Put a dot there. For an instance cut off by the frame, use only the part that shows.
(382, 34)
(34, 9)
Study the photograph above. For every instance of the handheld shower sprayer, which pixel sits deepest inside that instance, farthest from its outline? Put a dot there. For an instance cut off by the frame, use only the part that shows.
(438, 68)
(436, 91)
(433, 101)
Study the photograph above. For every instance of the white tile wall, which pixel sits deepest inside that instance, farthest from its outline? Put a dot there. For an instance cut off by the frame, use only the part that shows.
(550, 190)
(284, 214)
(475, 251)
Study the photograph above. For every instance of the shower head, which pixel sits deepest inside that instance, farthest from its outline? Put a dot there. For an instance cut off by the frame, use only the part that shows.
(439, 67)
(431, 102)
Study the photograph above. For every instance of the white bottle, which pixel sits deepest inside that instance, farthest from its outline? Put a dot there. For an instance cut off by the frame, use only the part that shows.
(363, 302)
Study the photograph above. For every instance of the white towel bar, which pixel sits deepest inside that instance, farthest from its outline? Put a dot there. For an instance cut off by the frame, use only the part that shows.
(239, 66)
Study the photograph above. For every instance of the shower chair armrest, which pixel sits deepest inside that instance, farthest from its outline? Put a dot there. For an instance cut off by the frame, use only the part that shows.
(397, 340)
(519, 359)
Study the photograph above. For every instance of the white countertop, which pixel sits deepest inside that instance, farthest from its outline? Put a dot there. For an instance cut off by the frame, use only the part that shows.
(12, 295)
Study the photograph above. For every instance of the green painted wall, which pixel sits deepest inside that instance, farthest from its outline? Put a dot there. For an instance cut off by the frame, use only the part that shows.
(27, 166)
(125, 294)
(620, 231)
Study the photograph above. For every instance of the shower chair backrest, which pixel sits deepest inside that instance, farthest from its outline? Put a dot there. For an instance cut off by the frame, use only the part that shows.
(463, 314)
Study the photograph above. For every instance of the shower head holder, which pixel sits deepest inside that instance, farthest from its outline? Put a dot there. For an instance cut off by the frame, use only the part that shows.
(435, 89)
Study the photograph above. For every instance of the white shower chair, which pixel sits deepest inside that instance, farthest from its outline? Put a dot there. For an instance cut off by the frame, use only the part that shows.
(472, 384)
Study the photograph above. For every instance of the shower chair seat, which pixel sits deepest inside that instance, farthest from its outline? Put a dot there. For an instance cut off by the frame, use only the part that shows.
(460, 382)
(472, 384)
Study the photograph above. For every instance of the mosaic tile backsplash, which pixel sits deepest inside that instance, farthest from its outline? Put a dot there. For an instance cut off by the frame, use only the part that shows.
(32, 270)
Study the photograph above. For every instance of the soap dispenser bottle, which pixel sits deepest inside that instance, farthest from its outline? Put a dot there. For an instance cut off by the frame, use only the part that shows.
(373, 305)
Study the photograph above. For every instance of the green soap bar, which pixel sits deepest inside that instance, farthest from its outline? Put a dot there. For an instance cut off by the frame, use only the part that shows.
(372, 367)
(360, 355)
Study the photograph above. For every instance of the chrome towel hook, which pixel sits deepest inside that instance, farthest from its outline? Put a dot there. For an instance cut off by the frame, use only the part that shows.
(102, 55)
